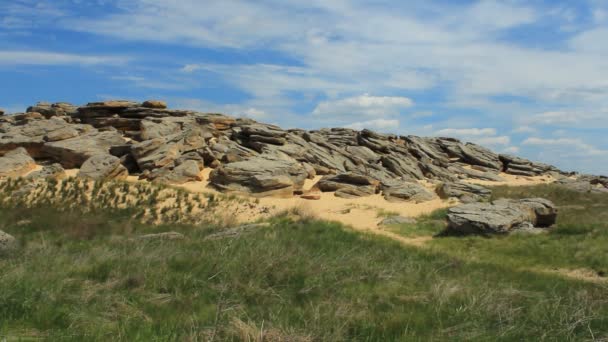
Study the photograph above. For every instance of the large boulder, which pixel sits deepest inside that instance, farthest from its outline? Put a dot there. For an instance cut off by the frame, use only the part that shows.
(188, 171)
(35, 133)
(72, 153)
(7, 243)
(264, 175)
(103, 167)
(465, 192)
(502, 216)
(349, 185)
(16, 163)
(407, 192)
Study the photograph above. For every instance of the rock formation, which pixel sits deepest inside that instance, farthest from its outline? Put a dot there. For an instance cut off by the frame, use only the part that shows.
(172, 146)
(502, 216)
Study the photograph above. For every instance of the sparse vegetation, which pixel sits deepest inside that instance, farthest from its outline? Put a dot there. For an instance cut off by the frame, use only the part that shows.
(85, 276)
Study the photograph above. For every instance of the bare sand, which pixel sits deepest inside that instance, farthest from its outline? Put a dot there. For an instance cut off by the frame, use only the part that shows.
(363, 214)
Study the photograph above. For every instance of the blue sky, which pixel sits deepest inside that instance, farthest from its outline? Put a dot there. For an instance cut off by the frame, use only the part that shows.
(524, 77)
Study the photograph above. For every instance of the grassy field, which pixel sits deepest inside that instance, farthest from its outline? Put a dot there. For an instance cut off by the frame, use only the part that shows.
(86, 277)
(578, 242)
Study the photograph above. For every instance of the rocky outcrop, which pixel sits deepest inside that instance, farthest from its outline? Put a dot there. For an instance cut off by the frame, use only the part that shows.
(523, 167)
(465, 192)
(103, 167)
(162, 144)
(49, 110)
(349, 185)
(7, 243)
(264, 175)
(502, 216)
(408, 192)
(188, 171)
(72, 153)
(16, 163)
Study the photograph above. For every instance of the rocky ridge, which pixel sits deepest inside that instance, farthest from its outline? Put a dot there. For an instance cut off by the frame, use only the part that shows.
(113, 139)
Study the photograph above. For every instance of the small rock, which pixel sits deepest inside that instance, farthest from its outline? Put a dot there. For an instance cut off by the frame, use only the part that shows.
(236, 231)
(394, 220)
(55, 171)
(7, 243)
(311, 197)
(156, 104)
(162, 236)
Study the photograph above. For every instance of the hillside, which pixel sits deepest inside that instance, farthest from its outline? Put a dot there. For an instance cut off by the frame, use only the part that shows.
(131, 221)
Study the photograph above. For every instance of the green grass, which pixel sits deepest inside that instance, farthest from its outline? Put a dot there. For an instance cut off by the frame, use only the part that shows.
(578, 241)
(426, 225)
(84, 277)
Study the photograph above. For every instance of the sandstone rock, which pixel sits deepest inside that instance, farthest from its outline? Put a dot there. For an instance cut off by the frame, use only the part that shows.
(55, 171)
(62, 134)
(167, 236)
(349, 185)
(103, 167)
(49, 110)
(219, 121)
(153, 130)
(72, 153)
(501, 217)
(154, 104)
(155, 153)
(16, 163)
(261, 176)
(2, 112)
(188, 171)
(7, 244)
(465, 192)
(396, 220)
(311, 197)
(407, 192)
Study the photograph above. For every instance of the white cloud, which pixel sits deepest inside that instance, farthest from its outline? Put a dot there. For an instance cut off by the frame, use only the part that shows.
(383, 125)
(567, 145)
(55, 58)
(459, 132)
(525, 129)
(363, 106)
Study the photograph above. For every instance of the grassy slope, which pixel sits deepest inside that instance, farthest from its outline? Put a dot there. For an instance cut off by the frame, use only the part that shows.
(81, 277)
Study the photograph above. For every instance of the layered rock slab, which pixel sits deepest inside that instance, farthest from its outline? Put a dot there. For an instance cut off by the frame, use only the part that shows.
(502, 216)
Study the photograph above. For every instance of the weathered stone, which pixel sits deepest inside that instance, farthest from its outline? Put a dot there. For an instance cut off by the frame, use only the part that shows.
(72, 153)
(103, 167)
(188, 171)
(16, 163)
(8, 244)
(62, 134)
(154, 104)
(349, 185)
(465, 192)
(261, 175)
(407, 192)
(55, 171)
(49, 110)
(167, 236)
(153, 130)
(396, 220)
(501, 217)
